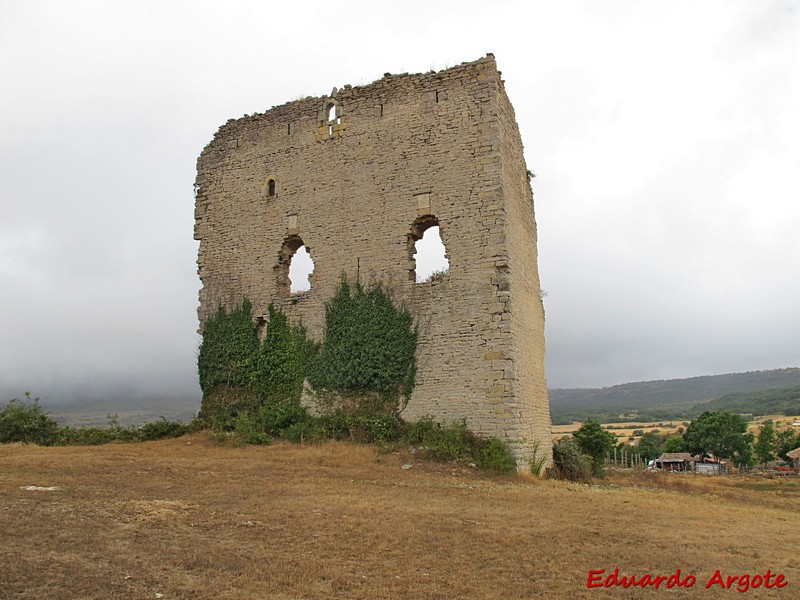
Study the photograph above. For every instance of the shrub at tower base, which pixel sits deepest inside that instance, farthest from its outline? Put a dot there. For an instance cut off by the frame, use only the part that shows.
(361, 376)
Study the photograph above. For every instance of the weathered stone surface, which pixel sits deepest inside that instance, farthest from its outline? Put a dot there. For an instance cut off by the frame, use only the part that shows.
(358, 185)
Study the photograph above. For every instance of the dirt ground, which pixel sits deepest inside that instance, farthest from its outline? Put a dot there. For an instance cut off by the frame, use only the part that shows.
(188, 519)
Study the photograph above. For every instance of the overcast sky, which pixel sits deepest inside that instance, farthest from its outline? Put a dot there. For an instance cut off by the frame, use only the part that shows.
(665, 138)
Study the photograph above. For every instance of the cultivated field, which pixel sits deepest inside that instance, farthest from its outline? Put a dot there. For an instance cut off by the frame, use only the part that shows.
(624, 430)
(187, 519)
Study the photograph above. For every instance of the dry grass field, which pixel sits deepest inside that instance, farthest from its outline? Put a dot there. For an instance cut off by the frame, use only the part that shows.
(187, 519)
(781, 422)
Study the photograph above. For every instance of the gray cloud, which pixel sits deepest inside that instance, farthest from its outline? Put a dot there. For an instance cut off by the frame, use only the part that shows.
(663, 136)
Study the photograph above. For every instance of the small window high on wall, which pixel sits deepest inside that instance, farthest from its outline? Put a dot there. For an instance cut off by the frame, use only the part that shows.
(332, 116)
(427, 250)
(269, 188)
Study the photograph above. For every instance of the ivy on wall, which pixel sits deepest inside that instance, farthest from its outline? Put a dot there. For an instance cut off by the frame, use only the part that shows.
(238, 375)
(230, 341)
(368, 354)
(283, 361)
(369, 348)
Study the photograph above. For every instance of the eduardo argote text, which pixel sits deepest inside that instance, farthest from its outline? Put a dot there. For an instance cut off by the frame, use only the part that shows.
(599, 578)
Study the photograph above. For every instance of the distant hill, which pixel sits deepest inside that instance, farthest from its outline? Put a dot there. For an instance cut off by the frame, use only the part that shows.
(782, 401)
(678, 398)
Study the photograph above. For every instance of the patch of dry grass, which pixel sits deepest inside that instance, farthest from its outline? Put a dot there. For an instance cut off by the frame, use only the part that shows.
(188, 519)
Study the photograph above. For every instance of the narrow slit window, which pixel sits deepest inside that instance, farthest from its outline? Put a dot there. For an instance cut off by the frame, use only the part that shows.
(271, 187)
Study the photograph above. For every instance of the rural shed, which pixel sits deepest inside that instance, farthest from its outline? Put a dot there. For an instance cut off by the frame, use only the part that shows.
(676, 461)
(710, 468)
(794, 456)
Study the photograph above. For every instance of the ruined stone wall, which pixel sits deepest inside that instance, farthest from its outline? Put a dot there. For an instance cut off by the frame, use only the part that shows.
(356, 177)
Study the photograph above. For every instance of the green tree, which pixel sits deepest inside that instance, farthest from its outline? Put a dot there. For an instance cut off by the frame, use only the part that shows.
(674, 443)
(786, 441)
(765, 446)
(595, 442)
(650, 445)
(720, 435)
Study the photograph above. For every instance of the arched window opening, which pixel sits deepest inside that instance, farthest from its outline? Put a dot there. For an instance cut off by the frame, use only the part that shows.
(271, 187)
(300, 268)
(295, 267)
(427, 250)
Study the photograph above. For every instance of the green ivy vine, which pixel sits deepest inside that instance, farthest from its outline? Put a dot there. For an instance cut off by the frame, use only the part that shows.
(367, 355)
(369, 350)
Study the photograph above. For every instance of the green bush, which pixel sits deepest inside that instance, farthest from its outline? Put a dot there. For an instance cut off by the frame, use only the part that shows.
(222, 404)
(248, 430)
(383, 428)
(277, 416)
(570, 462)
(457, 443)
(114, 432)
(163, 429)
(417, 431)
(26, 422)
(85, 436)
(301, 431)
(120, 433)
(363, 428)
(495, 455)
(443, 443)
(596, 443)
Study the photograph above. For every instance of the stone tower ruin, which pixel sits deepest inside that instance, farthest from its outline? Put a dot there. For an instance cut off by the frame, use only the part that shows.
(357, 177)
